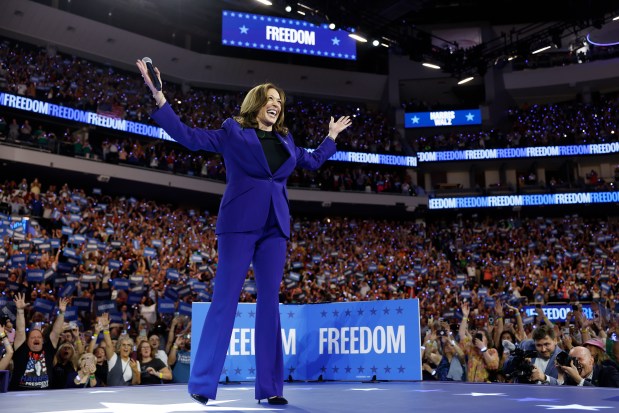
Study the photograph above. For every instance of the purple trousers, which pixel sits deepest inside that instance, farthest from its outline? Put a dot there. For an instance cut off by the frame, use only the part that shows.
(266, 248)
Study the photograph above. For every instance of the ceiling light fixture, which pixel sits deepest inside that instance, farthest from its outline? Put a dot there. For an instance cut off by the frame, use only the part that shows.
(466, 80)
(541, 49)
(358, 38)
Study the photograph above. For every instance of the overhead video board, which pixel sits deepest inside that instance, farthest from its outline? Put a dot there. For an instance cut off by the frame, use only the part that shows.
(277, 34)
(440, 118)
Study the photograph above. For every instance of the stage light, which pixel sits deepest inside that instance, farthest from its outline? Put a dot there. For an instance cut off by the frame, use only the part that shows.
(466, 80)
(375, 43)
(288, 8)
(431, 65)
(265, 2)
(540, 49)
(357, 37)
(332, 26)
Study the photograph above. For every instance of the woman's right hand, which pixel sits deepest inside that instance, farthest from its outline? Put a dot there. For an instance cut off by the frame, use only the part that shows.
(144, 70)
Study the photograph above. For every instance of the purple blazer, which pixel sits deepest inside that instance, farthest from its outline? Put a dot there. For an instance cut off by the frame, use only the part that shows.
(251, 187)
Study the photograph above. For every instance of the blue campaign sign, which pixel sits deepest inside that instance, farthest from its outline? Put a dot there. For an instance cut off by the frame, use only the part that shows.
(354, 341)
(277, 34)
(442, 118)
(340, 341)
(240, 361)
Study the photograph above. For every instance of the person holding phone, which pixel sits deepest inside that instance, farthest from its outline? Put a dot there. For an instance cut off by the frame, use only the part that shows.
(253, 225)
(85, 376)
(482, 359)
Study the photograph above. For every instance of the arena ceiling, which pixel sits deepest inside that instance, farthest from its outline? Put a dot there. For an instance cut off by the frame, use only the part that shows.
(197, 23)
(423, 30)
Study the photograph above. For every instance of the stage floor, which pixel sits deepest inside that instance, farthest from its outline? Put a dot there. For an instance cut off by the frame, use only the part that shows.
(332, 397)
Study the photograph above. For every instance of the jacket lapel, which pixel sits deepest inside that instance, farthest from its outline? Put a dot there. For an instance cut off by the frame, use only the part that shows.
(255, 147)
(287, 144)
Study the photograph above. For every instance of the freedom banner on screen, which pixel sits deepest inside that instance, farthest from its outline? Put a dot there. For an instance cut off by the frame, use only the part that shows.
(277, 34)
(338, 341)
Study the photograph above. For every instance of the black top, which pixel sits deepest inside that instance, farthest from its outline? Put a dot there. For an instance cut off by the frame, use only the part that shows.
(33, 371)
(273, 149)
(148, 378)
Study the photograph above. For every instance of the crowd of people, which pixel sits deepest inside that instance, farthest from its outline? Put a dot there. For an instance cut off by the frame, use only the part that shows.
(134, 253)
(76, 82)
(578, 352)
(79, 83)
(567, 123)
(170, 157)
(106, 262)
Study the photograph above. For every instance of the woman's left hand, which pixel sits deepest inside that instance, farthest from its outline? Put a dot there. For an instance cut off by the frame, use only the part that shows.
(335, 127)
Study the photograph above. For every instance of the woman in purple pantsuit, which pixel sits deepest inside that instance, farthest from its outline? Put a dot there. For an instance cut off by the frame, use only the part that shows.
(253, 225)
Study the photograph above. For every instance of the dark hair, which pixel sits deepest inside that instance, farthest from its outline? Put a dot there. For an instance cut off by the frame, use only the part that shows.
(542, 332)
(512, 336)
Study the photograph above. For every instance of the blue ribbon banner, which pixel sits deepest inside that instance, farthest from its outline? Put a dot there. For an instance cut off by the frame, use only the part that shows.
(442, 118)
(559, 312)
(276, 34)
(572, 198)
(340, 341)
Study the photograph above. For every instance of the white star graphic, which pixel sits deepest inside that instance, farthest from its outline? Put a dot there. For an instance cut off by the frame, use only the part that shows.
(481, 394)
(163, 408)
(368, 389)
(573, 407)
(415, 119)
(470, 117)
(336, 41)
(244, 29)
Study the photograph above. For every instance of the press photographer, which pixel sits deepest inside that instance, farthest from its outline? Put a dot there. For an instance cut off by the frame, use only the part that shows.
(521, 366)
(542, 350)
(579, 369)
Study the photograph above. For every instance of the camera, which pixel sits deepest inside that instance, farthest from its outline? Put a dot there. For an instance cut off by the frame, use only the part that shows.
(442, 332)
(565, 360)
(521, 368)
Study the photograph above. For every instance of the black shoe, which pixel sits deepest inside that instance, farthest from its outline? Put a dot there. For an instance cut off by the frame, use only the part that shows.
(277, 400)
(200, 399)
